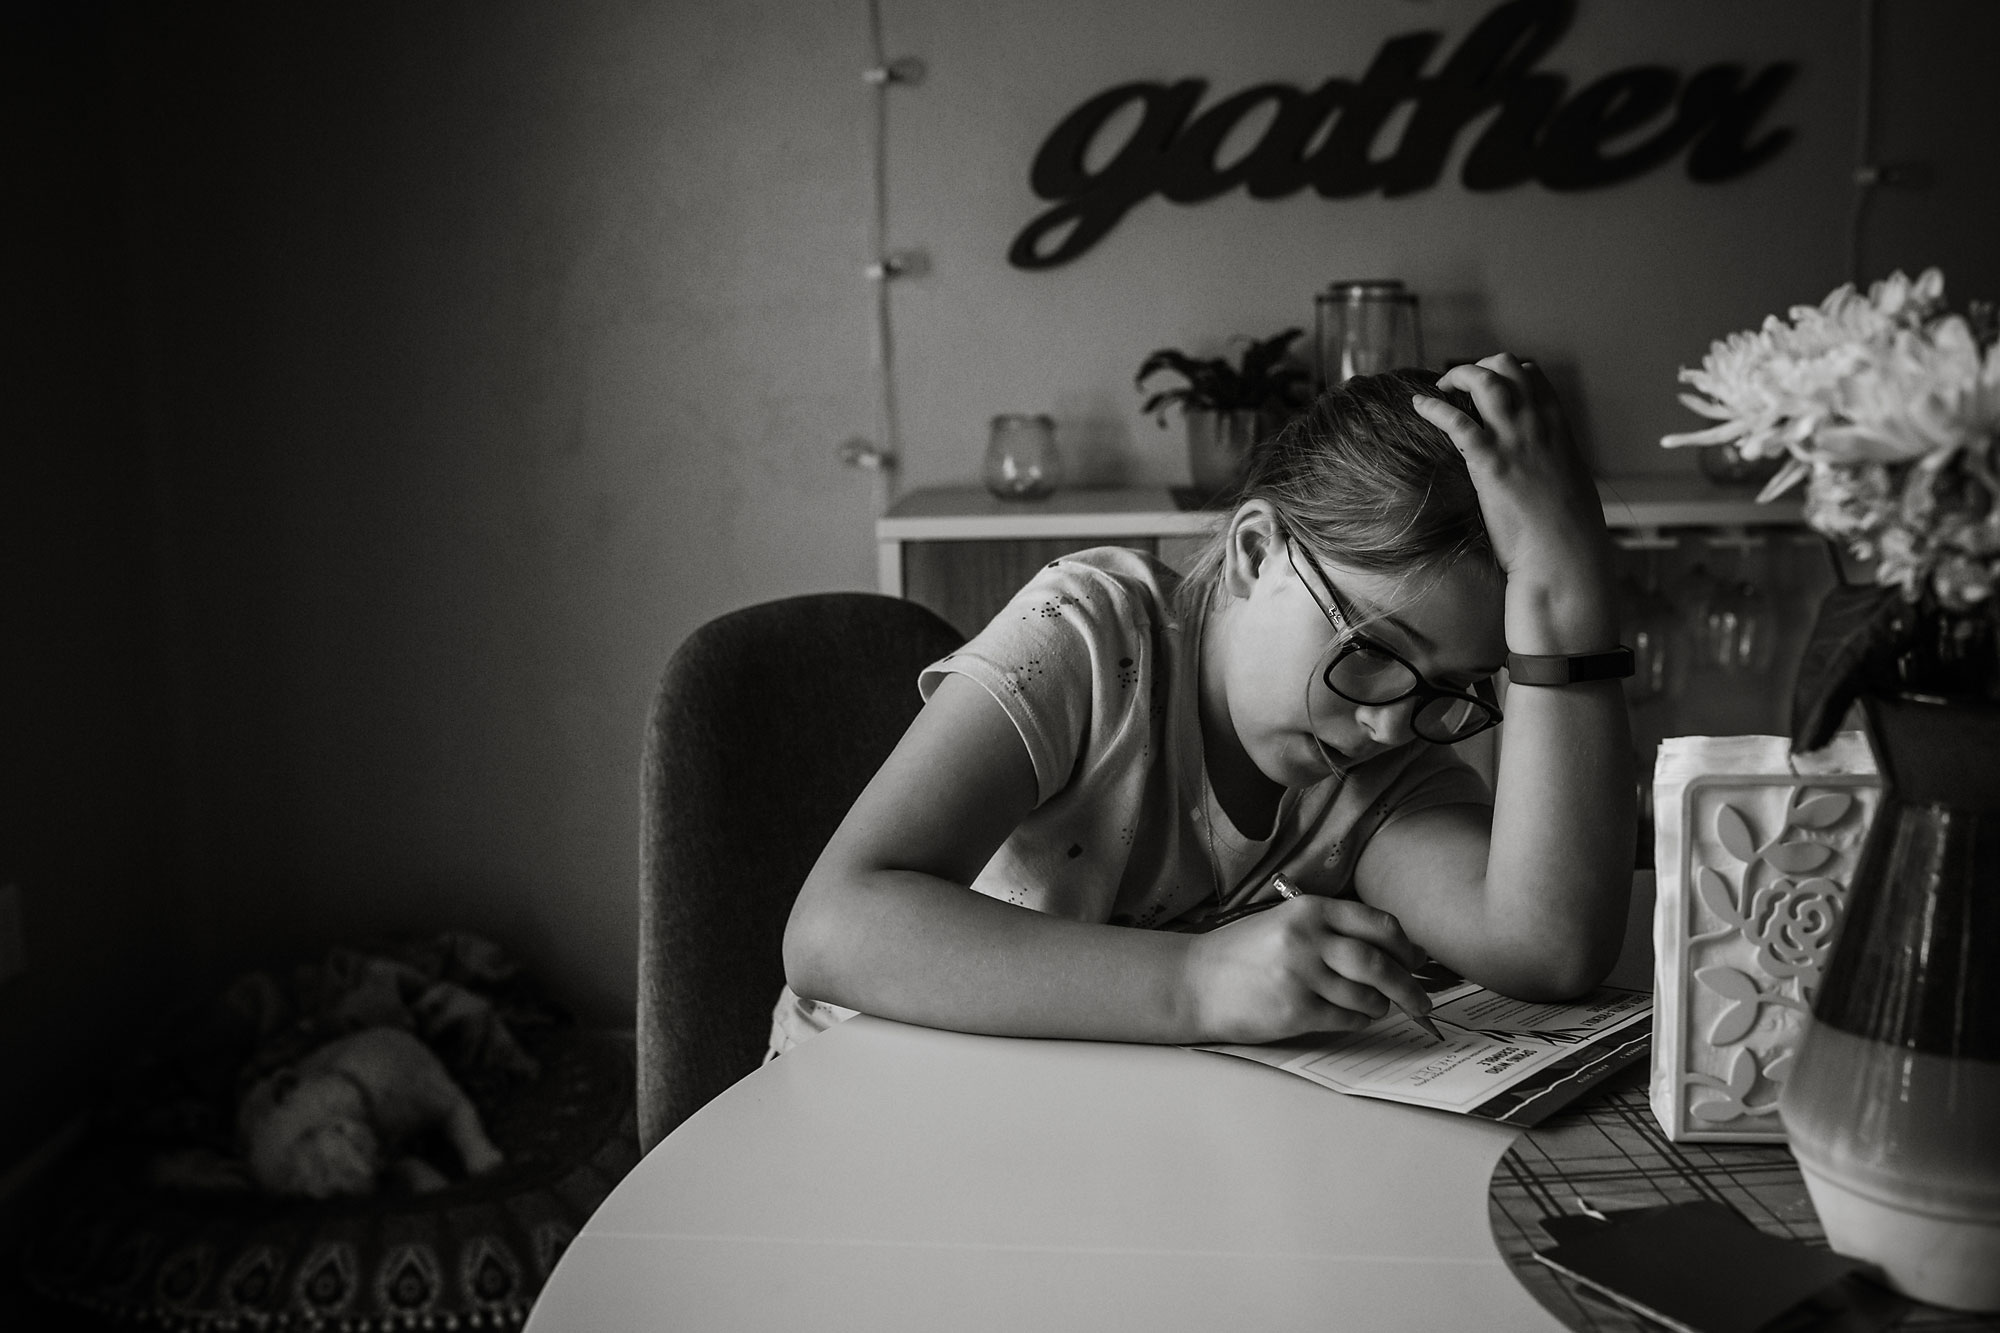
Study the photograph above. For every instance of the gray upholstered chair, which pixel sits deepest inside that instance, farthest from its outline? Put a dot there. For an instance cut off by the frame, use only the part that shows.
(768, 723)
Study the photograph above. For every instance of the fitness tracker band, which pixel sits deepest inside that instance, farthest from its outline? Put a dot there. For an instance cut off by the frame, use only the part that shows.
(1556, 669)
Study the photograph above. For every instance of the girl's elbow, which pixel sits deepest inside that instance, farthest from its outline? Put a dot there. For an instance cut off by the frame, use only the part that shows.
(808, 949)
(1569, 973)
(1573, 982)
(1546, 974)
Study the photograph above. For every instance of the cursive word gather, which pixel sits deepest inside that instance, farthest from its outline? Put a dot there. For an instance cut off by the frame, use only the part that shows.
(1326, 138)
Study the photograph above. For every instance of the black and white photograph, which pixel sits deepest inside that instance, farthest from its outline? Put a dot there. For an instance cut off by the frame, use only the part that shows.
(1054, 665)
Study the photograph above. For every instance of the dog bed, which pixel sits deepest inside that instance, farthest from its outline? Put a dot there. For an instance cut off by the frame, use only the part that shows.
(557, 1100)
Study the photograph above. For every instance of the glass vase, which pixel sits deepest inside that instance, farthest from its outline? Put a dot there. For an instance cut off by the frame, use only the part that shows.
(1021, 458)
(1892, 1107)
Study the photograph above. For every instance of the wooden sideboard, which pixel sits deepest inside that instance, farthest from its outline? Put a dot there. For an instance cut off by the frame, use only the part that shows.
(963, 552)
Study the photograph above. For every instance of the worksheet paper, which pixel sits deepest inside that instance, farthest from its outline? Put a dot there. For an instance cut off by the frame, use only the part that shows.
(1506, 1060)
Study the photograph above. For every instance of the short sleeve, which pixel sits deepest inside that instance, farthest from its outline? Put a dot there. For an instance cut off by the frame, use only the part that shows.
(1051, 651)
(1434, 777)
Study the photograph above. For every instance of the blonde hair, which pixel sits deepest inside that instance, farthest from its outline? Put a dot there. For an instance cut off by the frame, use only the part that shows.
(1360, 480)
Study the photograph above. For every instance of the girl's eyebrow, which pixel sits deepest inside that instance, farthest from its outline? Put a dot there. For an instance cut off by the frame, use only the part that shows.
(1374, 612)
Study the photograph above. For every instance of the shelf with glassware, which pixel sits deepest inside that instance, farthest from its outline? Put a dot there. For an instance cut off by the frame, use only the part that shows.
(963, 551)
(1718, 589)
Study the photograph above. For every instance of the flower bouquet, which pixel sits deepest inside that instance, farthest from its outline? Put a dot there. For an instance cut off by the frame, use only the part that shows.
(1887, 407)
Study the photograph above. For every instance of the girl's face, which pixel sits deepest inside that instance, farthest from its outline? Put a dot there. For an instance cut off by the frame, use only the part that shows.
(1275, 643)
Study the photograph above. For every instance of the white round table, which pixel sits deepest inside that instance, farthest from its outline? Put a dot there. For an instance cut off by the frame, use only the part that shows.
(885, 1177)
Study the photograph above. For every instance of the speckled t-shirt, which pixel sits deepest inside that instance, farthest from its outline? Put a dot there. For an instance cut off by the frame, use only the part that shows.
(1099, 678)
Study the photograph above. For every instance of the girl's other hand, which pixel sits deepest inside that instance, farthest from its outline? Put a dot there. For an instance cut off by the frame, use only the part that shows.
(1541, 507)
(1313, 964)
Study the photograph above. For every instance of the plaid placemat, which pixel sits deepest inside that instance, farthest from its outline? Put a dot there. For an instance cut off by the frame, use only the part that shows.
(1609, 1152)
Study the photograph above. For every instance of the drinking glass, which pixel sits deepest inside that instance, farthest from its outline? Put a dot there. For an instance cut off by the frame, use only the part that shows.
(1734, 624)
(1653, 622)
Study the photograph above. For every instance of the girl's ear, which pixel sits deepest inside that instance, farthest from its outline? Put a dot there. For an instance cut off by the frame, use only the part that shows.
(1254, 533)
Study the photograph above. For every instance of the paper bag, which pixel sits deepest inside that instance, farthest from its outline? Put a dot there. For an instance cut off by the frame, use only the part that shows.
(1755, 848)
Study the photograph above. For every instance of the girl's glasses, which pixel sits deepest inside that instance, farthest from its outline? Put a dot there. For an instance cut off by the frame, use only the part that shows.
(1365, 672)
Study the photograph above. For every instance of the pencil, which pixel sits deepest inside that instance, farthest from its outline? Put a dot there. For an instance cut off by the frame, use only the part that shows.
(1288, 890)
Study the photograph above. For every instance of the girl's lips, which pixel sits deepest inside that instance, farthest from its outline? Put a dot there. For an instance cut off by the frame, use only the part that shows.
(1341, 756)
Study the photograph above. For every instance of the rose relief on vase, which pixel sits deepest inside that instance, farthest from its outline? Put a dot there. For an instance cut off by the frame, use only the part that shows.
(1748, 920)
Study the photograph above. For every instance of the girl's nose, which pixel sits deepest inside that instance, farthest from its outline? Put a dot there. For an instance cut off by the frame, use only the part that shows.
(1388, 725)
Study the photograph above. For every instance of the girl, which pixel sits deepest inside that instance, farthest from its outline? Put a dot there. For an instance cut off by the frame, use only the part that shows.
(1122, 759)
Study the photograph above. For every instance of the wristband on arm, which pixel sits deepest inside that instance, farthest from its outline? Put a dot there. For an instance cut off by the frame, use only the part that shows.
(1557, 669)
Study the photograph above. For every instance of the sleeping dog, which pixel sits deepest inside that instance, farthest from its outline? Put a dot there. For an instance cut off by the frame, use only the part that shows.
(338, 1121)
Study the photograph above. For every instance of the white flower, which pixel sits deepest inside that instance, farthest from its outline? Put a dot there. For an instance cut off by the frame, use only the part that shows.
(1889, 409)
(1926, 393)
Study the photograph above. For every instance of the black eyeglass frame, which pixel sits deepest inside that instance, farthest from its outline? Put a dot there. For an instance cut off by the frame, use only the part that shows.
(1352, 642)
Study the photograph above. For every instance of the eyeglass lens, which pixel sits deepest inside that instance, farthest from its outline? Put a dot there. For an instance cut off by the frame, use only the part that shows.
(1448, 719)
(1368, 677)
(1364, 676)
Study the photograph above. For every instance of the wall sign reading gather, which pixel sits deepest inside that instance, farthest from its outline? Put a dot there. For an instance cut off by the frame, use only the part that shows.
(1325, 138)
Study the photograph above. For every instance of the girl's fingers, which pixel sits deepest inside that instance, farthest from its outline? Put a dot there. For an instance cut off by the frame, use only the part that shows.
(1515, 399)
(1509, 368)
(1504, 401)
(1353, 919)
(1375, 972)
(1538, 383)
(1358, 1004)
(1468, 375)
(1462, 429)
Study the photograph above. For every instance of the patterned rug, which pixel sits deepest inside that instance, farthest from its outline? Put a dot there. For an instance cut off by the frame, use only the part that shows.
(472, 1255)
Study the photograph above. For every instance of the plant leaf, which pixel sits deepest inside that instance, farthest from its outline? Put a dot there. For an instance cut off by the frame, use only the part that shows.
(1742, 1073)
(1822, 811)
(1714, 890)
(1260, 357)
(1263, 380)
(1189, 368)
(1855, 627)
(1733, 830)
(1729, 983)
(1733, 1023)
(1797, 858)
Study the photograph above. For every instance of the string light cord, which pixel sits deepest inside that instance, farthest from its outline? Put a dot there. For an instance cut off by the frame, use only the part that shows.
(883, 451)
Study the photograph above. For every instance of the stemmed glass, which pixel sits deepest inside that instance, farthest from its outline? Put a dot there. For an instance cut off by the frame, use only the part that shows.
(1733, 623)
(1652, 620)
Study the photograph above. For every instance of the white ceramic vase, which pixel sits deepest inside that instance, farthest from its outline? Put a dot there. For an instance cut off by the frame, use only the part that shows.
(1219, 444)
(1892, 1106)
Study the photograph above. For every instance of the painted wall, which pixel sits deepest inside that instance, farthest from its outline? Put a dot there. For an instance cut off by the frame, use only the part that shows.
(84, 716)
(1613, 289)
(498, 344)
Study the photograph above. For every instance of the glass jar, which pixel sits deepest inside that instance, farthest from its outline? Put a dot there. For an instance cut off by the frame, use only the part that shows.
(1365, 328)
(1021, 458)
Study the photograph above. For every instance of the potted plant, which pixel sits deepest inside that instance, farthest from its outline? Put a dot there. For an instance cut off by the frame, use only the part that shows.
(1227, 407)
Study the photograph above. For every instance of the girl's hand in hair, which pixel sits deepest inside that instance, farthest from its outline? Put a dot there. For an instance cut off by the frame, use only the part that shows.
(1540, 504)
(1313, 964)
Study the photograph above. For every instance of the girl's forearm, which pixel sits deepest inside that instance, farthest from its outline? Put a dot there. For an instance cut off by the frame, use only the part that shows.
(1559, 868)
(919, 949)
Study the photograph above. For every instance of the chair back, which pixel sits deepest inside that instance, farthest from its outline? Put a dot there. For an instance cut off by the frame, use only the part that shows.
(768, 723)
